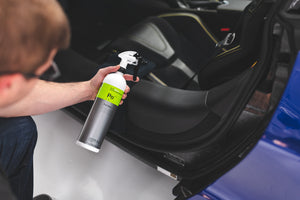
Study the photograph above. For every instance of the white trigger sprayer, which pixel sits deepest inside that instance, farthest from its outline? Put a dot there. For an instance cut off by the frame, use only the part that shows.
(128, 58)
(106, 103)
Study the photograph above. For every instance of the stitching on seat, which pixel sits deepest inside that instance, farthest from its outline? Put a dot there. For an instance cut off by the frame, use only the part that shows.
(152, 76)
(232, 50)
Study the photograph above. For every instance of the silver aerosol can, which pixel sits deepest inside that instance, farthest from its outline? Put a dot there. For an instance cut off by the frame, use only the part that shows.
(105, 105)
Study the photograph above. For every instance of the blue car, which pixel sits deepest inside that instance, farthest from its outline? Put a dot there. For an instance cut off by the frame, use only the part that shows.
(217, 107)
(271, 170)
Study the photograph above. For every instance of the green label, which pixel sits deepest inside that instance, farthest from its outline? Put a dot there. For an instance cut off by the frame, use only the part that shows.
(110, 93)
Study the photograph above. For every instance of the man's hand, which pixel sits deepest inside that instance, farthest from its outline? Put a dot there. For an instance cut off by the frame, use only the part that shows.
(97, 80)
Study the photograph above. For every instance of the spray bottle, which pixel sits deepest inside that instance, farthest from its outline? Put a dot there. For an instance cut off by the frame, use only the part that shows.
(106, 104)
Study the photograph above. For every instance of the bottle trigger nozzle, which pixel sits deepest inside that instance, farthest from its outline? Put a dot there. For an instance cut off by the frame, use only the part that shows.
(131, 58)
(128, 58)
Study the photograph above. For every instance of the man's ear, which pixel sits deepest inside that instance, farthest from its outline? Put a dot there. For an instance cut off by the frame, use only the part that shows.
(47, 63)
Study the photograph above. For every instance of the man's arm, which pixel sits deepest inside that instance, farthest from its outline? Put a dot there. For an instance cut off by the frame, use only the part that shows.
(50, 96)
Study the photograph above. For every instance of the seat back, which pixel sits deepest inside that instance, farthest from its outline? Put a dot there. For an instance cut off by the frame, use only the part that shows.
(242, 53)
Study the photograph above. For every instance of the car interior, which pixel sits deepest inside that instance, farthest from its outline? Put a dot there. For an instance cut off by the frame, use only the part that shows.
(208, 87)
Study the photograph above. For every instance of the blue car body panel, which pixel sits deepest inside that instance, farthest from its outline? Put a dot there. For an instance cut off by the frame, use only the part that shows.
(272, 168)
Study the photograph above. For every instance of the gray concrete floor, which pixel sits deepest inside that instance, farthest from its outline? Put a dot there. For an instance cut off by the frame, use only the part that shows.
(68, 172)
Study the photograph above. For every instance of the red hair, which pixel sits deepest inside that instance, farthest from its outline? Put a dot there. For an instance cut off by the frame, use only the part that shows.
(29, 30)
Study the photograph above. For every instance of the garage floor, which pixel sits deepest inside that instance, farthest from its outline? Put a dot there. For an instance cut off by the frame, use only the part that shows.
(66, 171)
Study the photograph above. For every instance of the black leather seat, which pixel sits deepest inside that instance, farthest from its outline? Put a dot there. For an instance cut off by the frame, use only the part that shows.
(166, 117)
(160, 114)
(181, 45)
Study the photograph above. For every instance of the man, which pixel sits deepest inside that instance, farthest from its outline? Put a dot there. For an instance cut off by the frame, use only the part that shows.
(31, 33)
